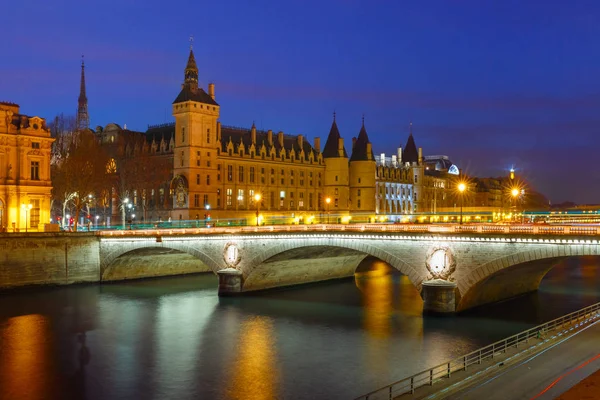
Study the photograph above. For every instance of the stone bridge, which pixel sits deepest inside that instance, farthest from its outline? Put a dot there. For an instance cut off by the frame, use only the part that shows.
(454, 267)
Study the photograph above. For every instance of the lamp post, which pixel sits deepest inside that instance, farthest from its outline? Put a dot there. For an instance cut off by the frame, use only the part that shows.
(124, 210)
(327, 201)
(514, 194)
(461, 189)
(257, 198)
(26, 208)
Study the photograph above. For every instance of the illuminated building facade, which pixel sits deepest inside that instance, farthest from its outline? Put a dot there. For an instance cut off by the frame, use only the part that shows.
(25, 186)
(232, 172)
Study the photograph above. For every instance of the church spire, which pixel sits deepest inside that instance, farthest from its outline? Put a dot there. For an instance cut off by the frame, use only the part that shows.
(83, 118)
(191, 69)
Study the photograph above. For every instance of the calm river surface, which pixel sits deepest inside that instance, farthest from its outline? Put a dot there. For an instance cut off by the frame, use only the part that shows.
(173, 338)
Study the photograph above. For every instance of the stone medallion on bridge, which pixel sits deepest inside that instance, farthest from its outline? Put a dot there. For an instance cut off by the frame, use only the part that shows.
(440, 262)
(231, 254)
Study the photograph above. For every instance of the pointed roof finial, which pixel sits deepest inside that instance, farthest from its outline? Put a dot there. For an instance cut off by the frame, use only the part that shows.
(363, 119)
(410, 127)
(83, 118)
(191, 42)
(333, 115)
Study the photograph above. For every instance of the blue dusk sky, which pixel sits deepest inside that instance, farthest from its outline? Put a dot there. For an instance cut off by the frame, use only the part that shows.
(491, 84)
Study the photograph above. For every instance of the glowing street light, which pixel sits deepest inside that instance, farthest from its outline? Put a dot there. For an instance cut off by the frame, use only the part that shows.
(327, 201)
(461, 189)
(515, 192)
(26, 208)
(257, 198)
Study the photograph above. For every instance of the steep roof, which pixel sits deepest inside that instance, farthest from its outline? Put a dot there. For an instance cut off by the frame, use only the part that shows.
(160, 131)
(359, 150)
(199, 95)
(190, 90)
(244, 135)
(409, 153)
(191, 63)
(331, 146)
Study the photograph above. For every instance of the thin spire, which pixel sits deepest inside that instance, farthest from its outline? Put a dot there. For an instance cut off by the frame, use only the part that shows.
(191, 70)
(333, 115)
(363, 119)
(83, 118)
(410, 127)
(191, 42)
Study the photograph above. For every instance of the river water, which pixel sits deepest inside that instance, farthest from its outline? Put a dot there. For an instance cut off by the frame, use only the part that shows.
(174, 338)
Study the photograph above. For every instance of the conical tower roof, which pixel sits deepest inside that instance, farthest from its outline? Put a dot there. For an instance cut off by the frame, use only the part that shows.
(190, 90)
(191, 64)
(410, 154)
(360, 151)
(331, 146)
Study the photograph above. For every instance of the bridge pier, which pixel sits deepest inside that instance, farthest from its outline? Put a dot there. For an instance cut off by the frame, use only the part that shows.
(439, 296)
(230, 282)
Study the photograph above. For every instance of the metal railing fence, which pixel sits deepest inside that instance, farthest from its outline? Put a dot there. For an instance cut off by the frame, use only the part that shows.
(438, 373)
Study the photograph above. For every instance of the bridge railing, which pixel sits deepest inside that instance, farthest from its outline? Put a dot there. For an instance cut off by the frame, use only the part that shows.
(443, 371)
(492, 229)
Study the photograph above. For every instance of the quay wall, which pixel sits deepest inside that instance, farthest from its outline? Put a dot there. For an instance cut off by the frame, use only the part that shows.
(48, 259)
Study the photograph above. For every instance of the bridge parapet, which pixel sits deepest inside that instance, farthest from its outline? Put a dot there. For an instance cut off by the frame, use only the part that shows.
(483, 229)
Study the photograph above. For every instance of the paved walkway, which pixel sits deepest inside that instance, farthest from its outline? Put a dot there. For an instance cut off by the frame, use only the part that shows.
(587, 389)
(544, 375)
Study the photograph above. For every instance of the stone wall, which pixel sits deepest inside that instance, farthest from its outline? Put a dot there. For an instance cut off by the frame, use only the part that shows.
(48, 258)
(153, 262)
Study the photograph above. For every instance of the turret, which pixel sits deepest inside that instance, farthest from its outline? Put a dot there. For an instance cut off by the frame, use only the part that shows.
(336, 171)
(362, 173)
(197, 133)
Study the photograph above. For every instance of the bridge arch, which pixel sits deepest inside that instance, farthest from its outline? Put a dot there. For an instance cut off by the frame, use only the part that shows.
(518, 273)
(308, 255)
(113, 251)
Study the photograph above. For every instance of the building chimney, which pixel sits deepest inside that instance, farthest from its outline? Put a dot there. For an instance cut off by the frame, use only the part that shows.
(394, 161)
(218, 131)
(253, 131)
(211, 90)
(369, 151)
(420, 155)
(341, 147)
(270, 137)
(382, 158)
(300, 141)
(353, 143)
(399, 155)
(318, 144)
(280, 138)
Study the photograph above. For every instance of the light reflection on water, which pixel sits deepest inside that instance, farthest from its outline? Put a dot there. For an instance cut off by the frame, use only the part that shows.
(174, 338)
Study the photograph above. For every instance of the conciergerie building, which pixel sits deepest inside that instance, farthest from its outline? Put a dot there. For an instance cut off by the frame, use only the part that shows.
(241, 173)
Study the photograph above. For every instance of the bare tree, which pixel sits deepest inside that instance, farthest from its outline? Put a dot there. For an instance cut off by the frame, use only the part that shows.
(82, 172)
(63, 130)
(140, 173)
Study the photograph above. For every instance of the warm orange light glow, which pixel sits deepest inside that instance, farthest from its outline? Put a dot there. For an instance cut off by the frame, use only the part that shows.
(257, 197)
(514, 192)
(328, 200)
(25, 357)
(462, 187)
(256, 375)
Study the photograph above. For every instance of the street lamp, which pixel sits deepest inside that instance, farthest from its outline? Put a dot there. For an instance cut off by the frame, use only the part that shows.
(327, 201)
(461, 189)
(514, 193)
(257, 198)
(26, 208)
